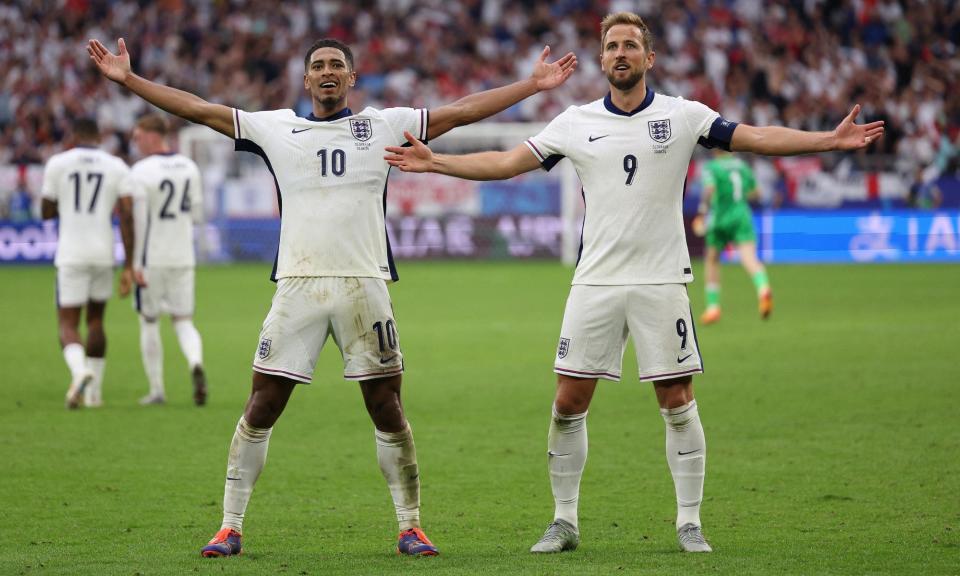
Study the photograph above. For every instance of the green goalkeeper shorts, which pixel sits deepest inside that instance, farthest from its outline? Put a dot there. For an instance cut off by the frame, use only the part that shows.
(730, 226)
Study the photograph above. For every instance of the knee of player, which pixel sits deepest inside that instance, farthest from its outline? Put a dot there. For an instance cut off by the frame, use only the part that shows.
(261, 413)
(569, 405)
(386, 411)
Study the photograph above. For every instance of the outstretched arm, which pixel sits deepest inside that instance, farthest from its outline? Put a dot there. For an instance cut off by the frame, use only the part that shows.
(781, 141)
(116, 67)
(478, 106)
(480, 166)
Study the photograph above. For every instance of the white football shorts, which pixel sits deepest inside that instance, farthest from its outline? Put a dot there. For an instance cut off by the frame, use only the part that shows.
(598, 319)
(357, 312)
(169, 290)
(79, 284)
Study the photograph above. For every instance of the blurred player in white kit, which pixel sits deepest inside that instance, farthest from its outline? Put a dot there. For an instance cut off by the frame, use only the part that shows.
(167, 204)
(81, 187)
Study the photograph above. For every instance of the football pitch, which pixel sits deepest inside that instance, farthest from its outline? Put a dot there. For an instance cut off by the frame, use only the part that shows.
(832, 432)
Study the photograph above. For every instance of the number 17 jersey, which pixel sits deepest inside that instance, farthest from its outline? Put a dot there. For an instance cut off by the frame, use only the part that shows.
(85, 182)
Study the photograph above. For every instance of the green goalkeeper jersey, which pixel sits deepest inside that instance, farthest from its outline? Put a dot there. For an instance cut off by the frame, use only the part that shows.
(732, 180)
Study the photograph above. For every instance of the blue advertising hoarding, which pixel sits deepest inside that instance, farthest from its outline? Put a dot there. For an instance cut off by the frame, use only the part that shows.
(858, 236)
(787, 236)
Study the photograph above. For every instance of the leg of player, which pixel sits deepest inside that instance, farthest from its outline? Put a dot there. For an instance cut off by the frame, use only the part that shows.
(151, 351)
(397, 456)
(567, 456)
(686, 455)
(248, 454)
(68, 320)
(96, 353)
(753, 266)
(192, 347)
(711, 264)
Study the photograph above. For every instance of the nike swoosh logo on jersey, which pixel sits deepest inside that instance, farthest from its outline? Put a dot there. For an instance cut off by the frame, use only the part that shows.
(296, 131)
(682, 453)
(680, 360)
(592, 139)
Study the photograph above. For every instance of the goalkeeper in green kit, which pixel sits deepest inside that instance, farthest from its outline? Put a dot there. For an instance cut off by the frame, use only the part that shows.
(724, 218)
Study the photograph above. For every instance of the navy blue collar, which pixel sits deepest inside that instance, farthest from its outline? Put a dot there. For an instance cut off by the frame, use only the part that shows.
(611, 107)
(341, 114)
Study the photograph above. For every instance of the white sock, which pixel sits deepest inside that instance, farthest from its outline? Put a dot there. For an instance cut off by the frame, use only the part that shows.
(567, 453)
(93, 393)
(190, 342)
(151, 351)
(687, 457)
(248, 453)
(397, 456)
(76, 359)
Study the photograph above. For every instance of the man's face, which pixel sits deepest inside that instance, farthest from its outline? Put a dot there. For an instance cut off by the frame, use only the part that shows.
(329, 77)
(144, 142)
(623, 58)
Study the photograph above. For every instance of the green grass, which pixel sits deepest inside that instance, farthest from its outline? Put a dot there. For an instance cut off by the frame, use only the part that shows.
(832, 430)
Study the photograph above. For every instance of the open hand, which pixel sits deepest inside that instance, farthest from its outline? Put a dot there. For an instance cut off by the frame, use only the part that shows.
(850, 136)
(128, 279)
(114, 66)
(548, 76)
(414, 158)
(126, 282)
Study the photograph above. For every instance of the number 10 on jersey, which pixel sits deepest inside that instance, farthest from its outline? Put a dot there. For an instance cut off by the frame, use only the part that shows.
(337, 162)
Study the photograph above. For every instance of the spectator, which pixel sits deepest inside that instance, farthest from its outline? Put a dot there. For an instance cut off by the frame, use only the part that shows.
(899, 57)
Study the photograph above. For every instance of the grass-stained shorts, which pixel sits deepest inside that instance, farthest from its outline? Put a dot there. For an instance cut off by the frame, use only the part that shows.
(357, 312)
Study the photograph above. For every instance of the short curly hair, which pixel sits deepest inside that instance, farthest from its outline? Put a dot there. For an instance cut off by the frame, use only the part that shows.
(329, 43)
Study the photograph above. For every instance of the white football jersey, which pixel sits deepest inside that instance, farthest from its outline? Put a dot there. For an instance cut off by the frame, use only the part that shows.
(170, 186)
(331, 178)
(85, 182)
(632, 166)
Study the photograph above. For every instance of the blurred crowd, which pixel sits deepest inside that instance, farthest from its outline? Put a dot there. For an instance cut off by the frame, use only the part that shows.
(799, 63)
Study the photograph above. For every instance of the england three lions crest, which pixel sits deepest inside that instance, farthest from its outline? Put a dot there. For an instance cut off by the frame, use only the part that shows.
(659, 130)
(563, 348)
(263, 350)
(361, 128)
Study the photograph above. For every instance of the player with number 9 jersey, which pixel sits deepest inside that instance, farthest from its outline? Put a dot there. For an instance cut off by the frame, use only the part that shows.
(632, 151)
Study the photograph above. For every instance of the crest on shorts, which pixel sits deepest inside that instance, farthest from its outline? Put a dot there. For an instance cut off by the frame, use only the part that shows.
(264, 349)
(563, 348)
(361, 128)
(659, 130)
